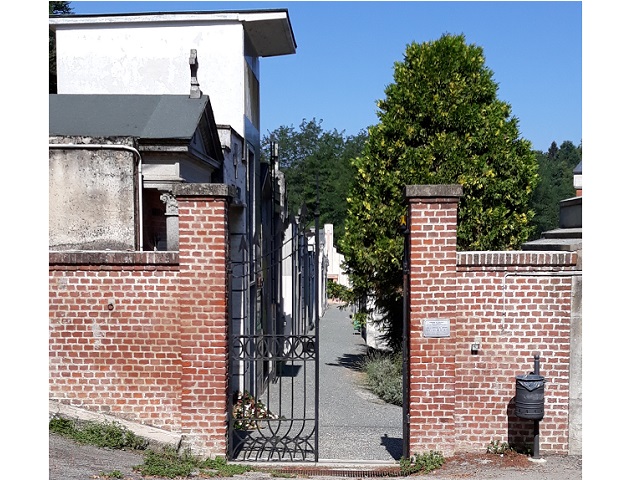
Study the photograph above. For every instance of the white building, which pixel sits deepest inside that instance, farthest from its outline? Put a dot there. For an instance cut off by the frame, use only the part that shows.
(335, 259)
(216, 54)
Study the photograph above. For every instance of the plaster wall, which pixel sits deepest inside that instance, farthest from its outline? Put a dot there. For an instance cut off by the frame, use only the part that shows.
(92, 199)
(154, 59)
(575, 370)
(160, 171)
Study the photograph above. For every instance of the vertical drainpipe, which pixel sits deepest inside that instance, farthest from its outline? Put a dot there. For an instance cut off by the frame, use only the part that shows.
(72, 146)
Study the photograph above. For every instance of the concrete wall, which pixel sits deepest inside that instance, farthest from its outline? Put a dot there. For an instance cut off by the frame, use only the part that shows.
(142, 336)
(513, 304)
(93, 196)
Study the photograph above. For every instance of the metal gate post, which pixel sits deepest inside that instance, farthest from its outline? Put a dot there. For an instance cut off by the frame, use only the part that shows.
(405, 341)
(317, 319)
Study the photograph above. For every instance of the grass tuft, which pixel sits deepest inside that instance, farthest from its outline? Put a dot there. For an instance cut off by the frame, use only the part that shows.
(421, 463)
(171, 464)
(101, 434)
(112, 474)
(384, 376)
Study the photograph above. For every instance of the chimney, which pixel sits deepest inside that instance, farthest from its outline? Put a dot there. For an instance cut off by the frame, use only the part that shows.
(195, 91)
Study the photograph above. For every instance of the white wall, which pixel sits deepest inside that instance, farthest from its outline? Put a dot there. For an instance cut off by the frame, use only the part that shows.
(334, 258)
(124, 58)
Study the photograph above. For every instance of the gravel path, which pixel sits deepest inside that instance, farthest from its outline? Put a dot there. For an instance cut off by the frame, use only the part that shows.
(354, 423)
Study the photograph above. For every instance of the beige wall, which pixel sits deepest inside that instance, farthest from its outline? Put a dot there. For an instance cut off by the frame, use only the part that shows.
(92, 199)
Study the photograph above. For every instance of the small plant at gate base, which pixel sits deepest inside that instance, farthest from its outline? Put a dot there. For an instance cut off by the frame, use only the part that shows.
(421, 463)
(247, 409)
(498, 448)
(170, 463)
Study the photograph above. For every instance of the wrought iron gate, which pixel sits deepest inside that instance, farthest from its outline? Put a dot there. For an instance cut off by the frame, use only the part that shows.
(273, 410)
(281, 423)
(273, 414)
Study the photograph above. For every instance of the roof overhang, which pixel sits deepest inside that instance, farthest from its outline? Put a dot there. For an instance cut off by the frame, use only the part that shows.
(270, 31)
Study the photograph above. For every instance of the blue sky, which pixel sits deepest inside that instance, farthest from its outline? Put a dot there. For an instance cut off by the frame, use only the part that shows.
(347, 50)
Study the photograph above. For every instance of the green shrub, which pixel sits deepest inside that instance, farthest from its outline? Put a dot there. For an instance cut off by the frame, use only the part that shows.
(359, 320)
(421, 463)
(384, 376)
(338, 291)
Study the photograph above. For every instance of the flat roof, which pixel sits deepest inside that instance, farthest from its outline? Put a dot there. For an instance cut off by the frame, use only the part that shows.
(269, 30)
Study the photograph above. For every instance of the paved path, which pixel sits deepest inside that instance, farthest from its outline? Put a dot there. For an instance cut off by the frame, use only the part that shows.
(354, 423)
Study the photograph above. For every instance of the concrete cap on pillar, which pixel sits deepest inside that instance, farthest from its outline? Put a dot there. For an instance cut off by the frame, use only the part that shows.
(426, 191)
(203, 189)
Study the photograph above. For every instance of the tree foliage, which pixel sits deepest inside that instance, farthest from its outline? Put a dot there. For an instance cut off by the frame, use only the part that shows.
(555, 169)
(60, 8)
(316, 164)
(440, 123)
(55, 8)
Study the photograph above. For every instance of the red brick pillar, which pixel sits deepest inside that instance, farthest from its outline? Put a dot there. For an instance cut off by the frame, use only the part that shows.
(432, 223)
(203, 250)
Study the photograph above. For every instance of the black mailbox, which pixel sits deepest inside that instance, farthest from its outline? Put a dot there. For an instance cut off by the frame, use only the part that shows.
(530, 394)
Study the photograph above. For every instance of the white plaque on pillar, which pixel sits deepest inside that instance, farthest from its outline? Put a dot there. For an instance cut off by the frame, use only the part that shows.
(436, 327)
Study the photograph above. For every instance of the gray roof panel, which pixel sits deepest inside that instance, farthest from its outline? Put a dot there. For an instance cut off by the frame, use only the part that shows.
(140, 116)
(578, 169)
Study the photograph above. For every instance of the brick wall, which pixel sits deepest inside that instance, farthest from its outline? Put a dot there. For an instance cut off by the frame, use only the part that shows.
(432, 274)
(142, 335)
(514, 304)
(114, 334)
(204, 318)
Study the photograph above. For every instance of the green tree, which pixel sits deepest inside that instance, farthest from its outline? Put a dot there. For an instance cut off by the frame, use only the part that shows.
(55, 8)
(555, 169)
(441, 122)
(317, 162)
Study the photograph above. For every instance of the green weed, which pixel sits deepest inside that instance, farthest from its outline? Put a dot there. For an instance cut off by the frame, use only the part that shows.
(498, 448)
(112, 474)
(170, 464)
(421, 463)
(101, 434)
